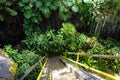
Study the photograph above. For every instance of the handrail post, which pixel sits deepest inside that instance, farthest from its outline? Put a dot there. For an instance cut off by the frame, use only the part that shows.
(77, 64)
(65, 55)
(77, 59)
(41, 64)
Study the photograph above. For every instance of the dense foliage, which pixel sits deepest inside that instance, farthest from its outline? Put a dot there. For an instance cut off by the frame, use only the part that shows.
(56, 42)
(5, 6)
(90, 11)
(67, 39)
(24, 60)
(106, 47)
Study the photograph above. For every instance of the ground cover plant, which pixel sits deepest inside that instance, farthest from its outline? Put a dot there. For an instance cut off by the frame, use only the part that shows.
(24, 60)
(67, 39)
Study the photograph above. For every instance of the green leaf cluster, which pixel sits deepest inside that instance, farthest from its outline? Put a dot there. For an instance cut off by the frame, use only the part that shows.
(24, 59)
(94, 45)
(34, 11)
(66, 39)
(5, 6)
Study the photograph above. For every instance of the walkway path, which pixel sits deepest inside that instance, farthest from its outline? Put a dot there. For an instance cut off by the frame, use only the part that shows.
(59, 71)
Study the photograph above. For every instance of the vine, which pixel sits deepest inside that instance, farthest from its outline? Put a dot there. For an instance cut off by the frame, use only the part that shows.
(35, 10)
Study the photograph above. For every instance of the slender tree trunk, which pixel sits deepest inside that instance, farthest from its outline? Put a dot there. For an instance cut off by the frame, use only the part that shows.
(97, 29)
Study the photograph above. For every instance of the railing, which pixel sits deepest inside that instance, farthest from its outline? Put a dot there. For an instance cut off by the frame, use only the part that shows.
(95, 55)
(76, 62)
(33, 67)
(41, 74)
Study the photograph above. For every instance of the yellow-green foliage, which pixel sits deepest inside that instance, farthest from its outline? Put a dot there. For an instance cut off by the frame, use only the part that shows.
(4, 53)
(68, 30)
(13, 69)
(24, 60)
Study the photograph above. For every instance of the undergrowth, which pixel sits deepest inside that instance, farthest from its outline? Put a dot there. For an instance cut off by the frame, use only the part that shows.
(67, 39)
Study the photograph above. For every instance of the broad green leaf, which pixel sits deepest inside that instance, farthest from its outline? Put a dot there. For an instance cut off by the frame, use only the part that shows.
(38, 4)
(28, 14)
(53, 7)
(34, 19)
(48, 3)
(62, 8)
(11, 11)
(21, 4)
(75, 9)
(46, 12)
(65, 16)
(73, 1)
(27, 7)
(69, 4)
(33, 1)
(8, 3)
(25, 1)
(1, 18)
